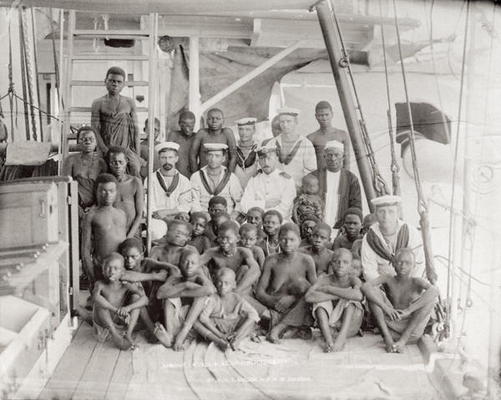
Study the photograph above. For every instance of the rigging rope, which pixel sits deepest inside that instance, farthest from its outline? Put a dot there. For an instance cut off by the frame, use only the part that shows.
(379, 183)
(23, 77)
(37, 82)
(422, 207)
(395, 168)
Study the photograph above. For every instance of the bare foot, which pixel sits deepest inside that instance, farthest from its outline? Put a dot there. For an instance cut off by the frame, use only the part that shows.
(329, 348)
(121, 342)
(150, 337)
(338, 346)
(399, 347)
(389, 345)
(273, 336)
(133, 344)
(222, 344)
(162, 335)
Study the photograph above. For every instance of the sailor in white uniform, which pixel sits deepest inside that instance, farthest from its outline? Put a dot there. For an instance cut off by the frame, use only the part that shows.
(215, 180)
(271, 188)
(246, 151)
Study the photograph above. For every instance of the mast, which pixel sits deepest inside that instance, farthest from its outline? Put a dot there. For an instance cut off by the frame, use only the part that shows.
(336, 58)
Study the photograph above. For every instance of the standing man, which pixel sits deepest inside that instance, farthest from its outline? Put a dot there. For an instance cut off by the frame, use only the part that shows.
(144, 149)
(385, 237)
(184, 137)
(339, 187)
(215, 180)
(295, 153)
(246, 151)
(326, 133)
(170, 190)
(270, 189)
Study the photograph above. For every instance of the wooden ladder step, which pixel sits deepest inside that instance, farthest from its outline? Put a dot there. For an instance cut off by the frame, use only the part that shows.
(106, 56)
(101, 83)
(88, 109)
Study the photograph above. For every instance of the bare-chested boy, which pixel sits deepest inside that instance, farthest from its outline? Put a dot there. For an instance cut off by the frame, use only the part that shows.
(111, 310)
(199, 239)
(228, 255)
(318, 248)
(84, 167)
(130, 196)
(272, 220)
(337, 301)
(145, 272)
(114, 120)
(403, 309)
(286, 277)
(214, 133)
(184, 299)
(227, 318)
(248, 239)
(104, 228)
(184, 138)
(352, 226)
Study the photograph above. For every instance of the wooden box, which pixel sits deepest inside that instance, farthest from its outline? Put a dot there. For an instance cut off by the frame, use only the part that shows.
(28, 214)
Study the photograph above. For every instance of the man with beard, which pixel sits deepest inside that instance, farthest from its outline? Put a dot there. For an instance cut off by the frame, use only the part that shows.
(184, 138)
(130, 193)
(170, 190)
(339, 187)
(326, 133)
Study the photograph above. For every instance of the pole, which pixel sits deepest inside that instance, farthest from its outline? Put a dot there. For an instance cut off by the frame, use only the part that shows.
(151, 120)
(333, 45)
(194, 79)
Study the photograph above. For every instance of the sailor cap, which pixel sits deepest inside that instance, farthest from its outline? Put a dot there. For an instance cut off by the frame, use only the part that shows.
(334, 144)
(215, 146)
(267, 147)
(387, 200)
(247, 121)
(166, 146)
(288, 111)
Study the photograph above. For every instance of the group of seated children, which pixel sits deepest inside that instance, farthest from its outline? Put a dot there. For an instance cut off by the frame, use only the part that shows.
(220, 282)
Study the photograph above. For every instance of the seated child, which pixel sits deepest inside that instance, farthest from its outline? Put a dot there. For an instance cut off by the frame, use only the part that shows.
(272, 220)
(145, 272)
(228, 255)
(255, 217)
(184, 298)
(217, 206)
(116, 304)
(227, 317)
(318, 248)
(336, 299)
(248, 239)
(198, 238)
(307, 226)
(286, 277)
(352, 226)
(308, 202)
(402, 309)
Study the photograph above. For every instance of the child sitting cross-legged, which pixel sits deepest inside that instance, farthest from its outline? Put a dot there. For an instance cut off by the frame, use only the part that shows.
(227, 317)
(336, 299)
(402, 311)
(116, 304)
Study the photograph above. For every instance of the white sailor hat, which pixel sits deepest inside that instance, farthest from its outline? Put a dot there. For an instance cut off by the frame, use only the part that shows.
(166, 145)
(247, 121)
(267, 146)
(334, 144)
(288, 111)
(215, 146)
(387, 200)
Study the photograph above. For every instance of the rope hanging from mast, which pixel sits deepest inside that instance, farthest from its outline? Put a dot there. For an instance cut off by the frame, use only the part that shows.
(422, 206)
(379, 183)
(395, 168)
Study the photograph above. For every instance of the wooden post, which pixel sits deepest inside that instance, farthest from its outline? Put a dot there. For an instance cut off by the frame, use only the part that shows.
(151, 119)
(333, 45)
(194, 80)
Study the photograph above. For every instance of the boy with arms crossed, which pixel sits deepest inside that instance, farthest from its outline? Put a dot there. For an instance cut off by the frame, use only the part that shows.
(110, 310)
(337, 301)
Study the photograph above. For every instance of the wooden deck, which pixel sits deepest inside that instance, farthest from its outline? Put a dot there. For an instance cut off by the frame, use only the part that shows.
(294, 369)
